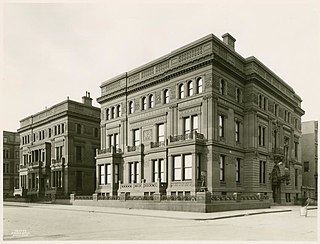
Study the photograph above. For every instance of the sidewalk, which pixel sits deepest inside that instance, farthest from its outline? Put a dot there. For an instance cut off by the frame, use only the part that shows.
(159, 213)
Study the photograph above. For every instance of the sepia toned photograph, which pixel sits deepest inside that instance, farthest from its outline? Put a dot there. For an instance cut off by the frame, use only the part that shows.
(160, 121)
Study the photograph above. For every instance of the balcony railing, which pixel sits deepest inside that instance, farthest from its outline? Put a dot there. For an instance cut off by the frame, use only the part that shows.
(133, 148)
(109, 150)
(189, 136)
(157, 144)
(143, 187)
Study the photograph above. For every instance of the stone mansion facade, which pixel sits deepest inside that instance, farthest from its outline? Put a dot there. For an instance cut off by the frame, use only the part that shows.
(201, 118)
(57, 149)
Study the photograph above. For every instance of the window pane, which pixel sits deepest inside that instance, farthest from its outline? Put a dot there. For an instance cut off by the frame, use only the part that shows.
(161, 132)
(102, 172)
(188, 167)
(181, 90)
(177, 167)
(108, 174)
(116, 140)
(190, 88)
(162, 170)
(188, 160)
(136, 137)
(195, 123)
(199, 85)
(187, 125)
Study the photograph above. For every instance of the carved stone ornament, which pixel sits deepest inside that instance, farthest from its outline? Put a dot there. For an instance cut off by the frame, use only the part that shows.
(147, 135)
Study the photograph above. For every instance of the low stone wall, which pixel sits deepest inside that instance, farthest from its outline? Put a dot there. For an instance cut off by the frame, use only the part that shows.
(201, 203)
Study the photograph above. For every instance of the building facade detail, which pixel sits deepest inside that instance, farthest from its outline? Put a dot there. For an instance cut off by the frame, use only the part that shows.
(59, 157)
(214, 123)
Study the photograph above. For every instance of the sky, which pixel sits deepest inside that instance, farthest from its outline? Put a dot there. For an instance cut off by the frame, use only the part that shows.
(51, 50)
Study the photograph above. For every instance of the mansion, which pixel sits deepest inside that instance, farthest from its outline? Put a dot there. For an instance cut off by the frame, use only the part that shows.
(57, 149)
(201, 118)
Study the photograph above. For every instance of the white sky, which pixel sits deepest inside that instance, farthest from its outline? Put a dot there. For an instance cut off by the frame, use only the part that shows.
(64, 48)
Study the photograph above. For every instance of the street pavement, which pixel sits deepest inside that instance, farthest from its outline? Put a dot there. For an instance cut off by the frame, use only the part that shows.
(49, 222)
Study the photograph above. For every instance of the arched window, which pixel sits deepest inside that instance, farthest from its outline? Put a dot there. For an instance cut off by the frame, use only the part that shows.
(190, 88)
(107, 114)
(113, 113)
(181, 91)
(151, 101)
(144, 103)
(119, 110)
(199, 85)
(166, 96)
(131, 107)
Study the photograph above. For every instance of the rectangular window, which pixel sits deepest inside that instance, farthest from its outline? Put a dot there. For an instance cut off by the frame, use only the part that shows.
(296, 177)
(108, 173)
(136, 137)
(221, 125)
(238, 95)
(195, 123)
(162, 170)
(155, 170)
(78, 153)
(262, 172)
(59, 132)
(187, 167)
(198, 165)
(261, 135)
(116, 173)
(55, 130)
(111, 140)
(177, 168)
(187, 128)
(102, 174)
(134, 173)
(49, 132)
(237, 131)
(160, 132)
(238, 170)
(78, 129)
(222, 167)
(296, 144)
(306, 167)
(62, 128)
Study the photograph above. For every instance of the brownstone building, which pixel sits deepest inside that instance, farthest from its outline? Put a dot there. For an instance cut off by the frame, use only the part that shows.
(58, 149)
(200, 118)
(11, 145)
(310, 158)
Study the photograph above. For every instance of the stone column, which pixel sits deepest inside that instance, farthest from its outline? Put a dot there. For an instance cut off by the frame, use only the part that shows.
(112, 179)
(194, 171)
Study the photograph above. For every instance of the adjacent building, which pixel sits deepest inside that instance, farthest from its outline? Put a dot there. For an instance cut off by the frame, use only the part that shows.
(200, 118)
(11, 145)
(57, 149)
(310, 159)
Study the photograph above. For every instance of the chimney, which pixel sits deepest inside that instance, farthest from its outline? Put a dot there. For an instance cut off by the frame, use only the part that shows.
(87, 100)
(229, 40)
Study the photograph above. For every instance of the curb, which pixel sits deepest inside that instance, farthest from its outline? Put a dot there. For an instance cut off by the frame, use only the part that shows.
(244, 214)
